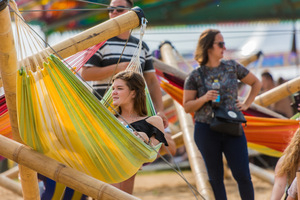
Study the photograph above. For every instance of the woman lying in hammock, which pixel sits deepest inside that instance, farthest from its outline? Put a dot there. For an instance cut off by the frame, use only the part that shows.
(128, 93)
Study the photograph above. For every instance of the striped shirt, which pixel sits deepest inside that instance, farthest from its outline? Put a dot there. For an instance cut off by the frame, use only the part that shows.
(110, 53)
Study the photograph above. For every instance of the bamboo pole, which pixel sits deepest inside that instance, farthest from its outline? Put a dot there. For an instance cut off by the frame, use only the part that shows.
(261, 173)
(11, 185)
(250, 59)
(278, 93)
(59, 172)
(164, 67)
(178, 139)
(169, 67)
(266, 111)
(8, 68)
(94, 35)
(11, 173)
(167, 101)
(187, 126)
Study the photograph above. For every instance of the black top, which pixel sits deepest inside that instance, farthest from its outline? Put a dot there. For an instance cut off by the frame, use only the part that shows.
(143, 126)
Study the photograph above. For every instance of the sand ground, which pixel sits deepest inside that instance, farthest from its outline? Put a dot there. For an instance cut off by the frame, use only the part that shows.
(167, 185)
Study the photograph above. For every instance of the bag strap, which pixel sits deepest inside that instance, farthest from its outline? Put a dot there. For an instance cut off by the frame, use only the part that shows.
(203, 83)
(202, 77)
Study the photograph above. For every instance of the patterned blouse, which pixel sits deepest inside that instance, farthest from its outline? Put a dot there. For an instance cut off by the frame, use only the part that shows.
(228, 73)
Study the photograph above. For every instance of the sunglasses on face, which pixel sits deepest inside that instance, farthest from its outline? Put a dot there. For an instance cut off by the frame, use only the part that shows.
(220, 44)
(119, 9)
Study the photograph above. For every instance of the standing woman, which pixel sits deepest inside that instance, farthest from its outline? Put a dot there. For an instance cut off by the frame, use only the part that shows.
(129, 96)
(197, 98)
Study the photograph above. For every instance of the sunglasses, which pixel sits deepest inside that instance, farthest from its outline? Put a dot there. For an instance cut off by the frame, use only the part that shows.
(119, 9)
(220, 44)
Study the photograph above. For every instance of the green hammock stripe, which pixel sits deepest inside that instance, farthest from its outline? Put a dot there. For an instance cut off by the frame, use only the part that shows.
(59, 117)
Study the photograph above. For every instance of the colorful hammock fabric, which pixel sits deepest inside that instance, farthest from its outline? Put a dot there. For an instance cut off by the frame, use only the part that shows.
(5, 128)
(59, 117)
(266, 135)
(269, 136)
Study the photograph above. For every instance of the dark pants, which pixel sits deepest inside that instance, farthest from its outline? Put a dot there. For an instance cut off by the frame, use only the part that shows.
(211, 145)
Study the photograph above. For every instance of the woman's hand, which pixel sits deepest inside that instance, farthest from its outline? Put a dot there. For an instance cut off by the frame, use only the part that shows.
(143, 136)
(211, 95)
(241, 106)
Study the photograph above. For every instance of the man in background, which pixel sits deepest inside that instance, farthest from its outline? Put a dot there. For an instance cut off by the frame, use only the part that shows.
(282, 106)
(104, 63)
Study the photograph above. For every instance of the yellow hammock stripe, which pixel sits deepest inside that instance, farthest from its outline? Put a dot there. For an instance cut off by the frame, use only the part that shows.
(264, 150)
(59, 117)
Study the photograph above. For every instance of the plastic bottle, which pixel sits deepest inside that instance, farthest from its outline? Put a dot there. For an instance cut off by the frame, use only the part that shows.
(128, 127)
(216, 86)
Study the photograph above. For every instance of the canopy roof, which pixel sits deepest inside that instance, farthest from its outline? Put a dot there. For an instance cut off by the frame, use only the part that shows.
(159, 12)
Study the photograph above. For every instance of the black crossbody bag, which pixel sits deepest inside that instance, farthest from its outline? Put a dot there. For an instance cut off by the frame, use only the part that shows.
(224, 120)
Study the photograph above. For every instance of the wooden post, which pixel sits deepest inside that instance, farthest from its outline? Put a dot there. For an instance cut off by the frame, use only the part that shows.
(59, 172)
(8, 68)
(187, 126)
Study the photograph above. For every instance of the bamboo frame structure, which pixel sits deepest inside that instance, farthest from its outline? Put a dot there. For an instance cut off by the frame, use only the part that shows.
(8, 68)
(59, 172)
(187, 126)
(94, 35)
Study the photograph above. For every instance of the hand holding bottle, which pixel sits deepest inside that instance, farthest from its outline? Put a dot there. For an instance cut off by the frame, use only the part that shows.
(216, 87)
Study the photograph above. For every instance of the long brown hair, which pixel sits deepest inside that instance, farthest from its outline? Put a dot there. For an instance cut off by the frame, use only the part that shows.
(135, 82)
(205, 42)
(291, 160)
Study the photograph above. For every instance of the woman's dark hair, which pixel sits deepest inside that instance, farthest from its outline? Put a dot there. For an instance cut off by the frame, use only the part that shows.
(205, 42)
(135, 82)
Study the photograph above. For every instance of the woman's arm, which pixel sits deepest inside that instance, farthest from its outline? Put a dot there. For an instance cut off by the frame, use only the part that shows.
(279, 183)
(255, 84)
(99, 73)
(158, 123)
(192, 104)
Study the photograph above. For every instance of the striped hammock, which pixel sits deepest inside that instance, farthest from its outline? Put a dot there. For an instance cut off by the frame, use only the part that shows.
(59, 117)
